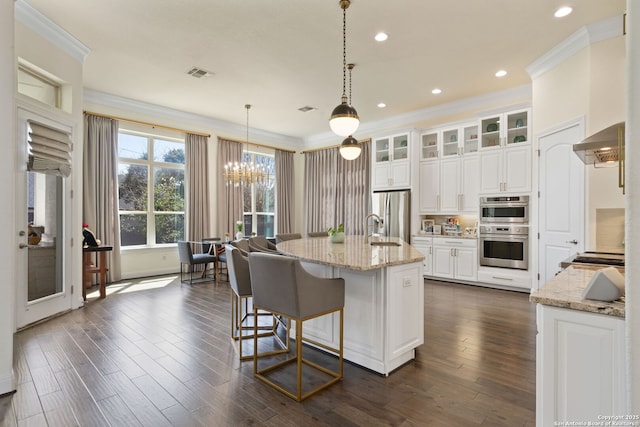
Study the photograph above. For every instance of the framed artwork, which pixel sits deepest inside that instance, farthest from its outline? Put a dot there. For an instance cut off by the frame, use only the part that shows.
(427, 225)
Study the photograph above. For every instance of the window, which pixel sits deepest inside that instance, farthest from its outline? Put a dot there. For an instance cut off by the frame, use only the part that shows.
(259, 198)
(150, 189)
(36, 86)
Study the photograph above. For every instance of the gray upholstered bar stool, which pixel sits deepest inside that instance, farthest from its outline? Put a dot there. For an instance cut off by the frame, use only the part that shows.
(240, 282)
(261, 244)
(287, 236)
(282, 286)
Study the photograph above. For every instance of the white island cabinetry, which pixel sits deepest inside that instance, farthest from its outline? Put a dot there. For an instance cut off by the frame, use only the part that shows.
(580, 356)
(384, 298)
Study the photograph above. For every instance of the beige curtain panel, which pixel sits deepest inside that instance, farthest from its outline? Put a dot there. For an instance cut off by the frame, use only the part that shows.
(197, 197)
(337, 190)
(285, 192)
(100, 186)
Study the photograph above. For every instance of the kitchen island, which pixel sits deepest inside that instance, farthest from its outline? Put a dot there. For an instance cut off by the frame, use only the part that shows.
(580, 355)
(384, 297)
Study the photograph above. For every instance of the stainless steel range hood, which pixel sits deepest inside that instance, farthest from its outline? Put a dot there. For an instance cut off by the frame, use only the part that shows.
(602, 147)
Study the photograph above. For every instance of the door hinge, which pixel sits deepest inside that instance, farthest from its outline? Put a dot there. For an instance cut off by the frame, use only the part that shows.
(538, 276)
(72, 242)
(538, 236)
(71, 195)
(538, 153)
(538, 194)
(71, 289)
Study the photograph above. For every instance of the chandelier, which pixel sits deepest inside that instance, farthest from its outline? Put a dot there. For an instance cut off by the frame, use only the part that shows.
(247, 172)
(344, 118)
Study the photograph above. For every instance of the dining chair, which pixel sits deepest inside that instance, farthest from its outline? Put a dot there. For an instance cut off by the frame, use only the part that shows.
(281, 285)
(191, 260)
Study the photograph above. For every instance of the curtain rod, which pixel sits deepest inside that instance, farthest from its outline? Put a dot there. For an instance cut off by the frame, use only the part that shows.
(138, 122)
(257, 145)
(362, 141)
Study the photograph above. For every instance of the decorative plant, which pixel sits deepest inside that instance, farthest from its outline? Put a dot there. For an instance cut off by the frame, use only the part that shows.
(331, 231)
(239, 225)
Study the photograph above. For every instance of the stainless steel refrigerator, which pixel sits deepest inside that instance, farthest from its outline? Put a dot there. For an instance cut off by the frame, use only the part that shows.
(394, 208)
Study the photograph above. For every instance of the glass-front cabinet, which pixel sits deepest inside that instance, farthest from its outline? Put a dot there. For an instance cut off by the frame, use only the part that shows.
(505, 130)
(429, 146)
(391, 162)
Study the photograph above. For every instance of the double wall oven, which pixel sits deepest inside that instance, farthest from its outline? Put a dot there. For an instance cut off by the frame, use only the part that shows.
(504, 232)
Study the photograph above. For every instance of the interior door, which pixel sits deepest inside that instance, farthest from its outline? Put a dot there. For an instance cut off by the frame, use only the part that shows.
(561, 204)
(41, 288)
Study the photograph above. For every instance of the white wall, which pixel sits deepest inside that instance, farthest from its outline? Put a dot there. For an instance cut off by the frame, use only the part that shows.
(7, 168)
(589, 84)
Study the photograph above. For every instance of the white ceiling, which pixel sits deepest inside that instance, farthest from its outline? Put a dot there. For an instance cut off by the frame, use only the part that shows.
(282, 55)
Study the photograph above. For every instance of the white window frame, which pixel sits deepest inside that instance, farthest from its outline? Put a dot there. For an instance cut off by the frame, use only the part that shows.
(151, 164)
(254, 214)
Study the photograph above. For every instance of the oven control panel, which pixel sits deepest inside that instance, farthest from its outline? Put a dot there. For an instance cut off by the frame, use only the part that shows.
(506, 229)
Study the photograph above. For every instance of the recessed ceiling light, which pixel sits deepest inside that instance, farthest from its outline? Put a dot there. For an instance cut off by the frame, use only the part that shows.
(381, 105)
(380, 37)
(501, 73)
(562, 12)
(436, 91)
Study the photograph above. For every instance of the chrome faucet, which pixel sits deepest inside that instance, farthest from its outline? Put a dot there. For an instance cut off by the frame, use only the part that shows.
(366, 225)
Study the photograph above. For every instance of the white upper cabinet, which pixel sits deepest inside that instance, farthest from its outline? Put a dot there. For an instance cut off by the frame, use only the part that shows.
(504, 130)
(449, 170)
(507, 170)
(391, 166)
(505, 153)
(429, 147)
(429, 187)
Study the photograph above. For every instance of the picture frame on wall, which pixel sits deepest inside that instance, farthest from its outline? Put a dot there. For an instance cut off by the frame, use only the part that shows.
(427, 225)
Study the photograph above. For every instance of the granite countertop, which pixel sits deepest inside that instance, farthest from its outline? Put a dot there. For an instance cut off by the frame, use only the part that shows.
(565, 291)
(353, 254)
(459, 236)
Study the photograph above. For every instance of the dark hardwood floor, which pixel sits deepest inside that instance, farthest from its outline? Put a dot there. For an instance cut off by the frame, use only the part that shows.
(155, 353)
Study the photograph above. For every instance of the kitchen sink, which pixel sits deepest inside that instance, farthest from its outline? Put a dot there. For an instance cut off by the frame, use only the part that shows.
(384, 243)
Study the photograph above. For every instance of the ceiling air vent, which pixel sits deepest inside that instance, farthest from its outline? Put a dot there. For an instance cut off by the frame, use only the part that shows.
(306, 109)
(199, 73)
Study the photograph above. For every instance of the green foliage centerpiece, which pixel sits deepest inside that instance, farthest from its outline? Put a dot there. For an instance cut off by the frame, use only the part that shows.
(336, 235)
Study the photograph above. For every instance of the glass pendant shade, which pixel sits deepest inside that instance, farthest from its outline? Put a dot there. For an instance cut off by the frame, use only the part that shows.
(344, 119)
(350, 148)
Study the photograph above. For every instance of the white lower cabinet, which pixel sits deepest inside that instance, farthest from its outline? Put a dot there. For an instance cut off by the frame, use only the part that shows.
(580, 367)
(455, 258)
(424, 244)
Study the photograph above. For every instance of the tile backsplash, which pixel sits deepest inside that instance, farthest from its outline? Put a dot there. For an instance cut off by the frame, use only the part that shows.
(610, 230)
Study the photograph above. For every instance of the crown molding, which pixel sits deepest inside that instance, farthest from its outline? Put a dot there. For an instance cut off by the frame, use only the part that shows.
(584, 37)
(400, 121)
(216, 126)
(49, 30)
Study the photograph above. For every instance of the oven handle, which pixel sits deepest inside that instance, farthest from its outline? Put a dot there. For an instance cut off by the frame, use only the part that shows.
(505, 237)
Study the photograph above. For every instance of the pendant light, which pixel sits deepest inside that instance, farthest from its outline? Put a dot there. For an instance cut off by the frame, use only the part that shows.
(344, 118)
(350, 148)
(244, 173)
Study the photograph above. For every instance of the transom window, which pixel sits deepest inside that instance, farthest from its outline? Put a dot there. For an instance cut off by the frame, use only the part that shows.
(150, 189)
(259, 198)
